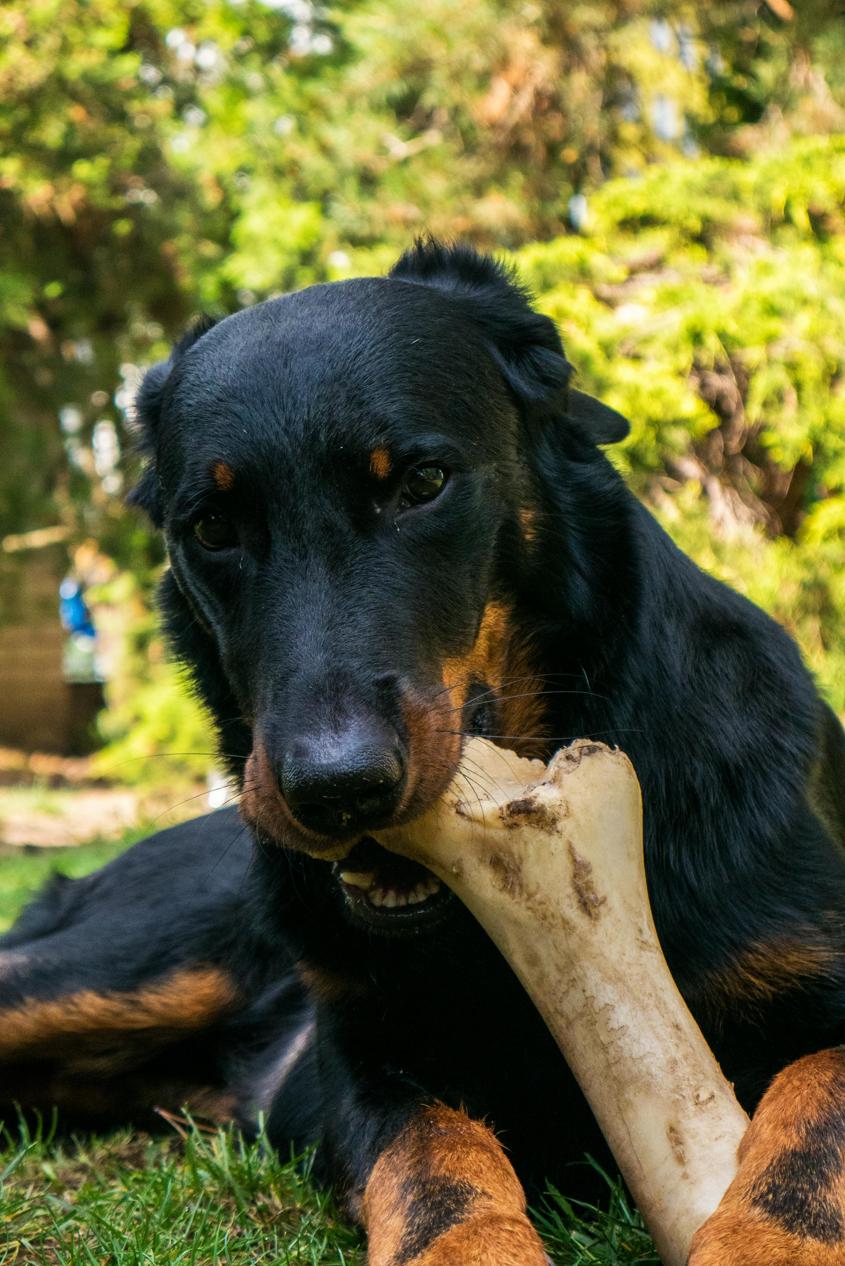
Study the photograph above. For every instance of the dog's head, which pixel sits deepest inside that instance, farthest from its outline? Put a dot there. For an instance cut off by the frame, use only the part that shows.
(350, 484)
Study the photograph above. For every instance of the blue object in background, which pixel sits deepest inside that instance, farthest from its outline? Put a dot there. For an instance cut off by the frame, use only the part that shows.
(80, 661)
(75, 616)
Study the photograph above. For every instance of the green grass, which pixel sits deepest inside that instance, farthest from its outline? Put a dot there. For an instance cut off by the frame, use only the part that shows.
(208, 1198)
(130, 1200)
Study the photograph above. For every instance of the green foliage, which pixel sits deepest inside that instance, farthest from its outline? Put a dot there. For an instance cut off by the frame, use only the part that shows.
(160, 154)
(707, 303)
(153, 727)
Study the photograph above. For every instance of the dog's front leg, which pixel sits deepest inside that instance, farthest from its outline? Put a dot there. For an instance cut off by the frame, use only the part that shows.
(786, 1206)
(443, 1193)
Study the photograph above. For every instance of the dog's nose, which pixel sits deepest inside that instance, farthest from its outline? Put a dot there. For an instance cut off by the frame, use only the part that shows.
(341, 783)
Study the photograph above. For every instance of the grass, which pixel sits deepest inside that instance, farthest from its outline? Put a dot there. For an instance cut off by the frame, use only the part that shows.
(201, 1197)
(129, 1200)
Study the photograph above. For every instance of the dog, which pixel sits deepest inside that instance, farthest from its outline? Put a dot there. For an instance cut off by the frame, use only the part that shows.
(390, 525)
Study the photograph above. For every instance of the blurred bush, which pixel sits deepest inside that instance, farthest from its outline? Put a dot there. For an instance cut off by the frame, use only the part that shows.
(707, 304)
(154, 731)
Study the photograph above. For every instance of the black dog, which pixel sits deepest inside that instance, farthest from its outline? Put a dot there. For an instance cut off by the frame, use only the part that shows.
(390, 526)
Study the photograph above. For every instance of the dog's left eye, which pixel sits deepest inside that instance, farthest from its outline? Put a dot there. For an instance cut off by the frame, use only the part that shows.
(423, 483)
(216, 531)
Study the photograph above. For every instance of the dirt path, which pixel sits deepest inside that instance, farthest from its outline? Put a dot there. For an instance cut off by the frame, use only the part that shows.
(52, 802)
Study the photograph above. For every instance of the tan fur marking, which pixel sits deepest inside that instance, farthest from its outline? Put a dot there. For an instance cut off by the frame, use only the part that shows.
(434, 749)
(485, 659)
(186, 1000)
(790, 1163)
(223, 476)
(330, 986)
(525, 711)
(760, 972)
(444, 1151)
(380, 463)
(501, 657)
(528, 524)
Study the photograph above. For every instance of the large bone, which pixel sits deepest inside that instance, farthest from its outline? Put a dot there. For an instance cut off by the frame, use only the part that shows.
(550, 861)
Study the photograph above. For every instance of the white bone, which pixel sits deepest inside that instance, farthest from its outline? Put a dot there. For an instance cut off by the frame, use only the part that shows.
(551, 864)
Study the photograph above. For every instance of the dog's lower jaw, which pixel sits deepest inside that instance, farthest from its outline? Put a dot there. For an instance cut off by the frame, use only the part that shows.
(387, 894)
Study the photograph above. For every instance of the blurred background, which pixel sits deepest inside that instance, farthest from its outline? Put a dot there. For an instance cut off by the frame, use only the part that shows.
(668, 178)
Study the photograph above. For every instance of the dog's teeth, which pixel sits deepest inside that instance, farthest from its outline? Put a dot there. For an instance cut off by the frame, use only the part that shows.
(356, 880)
(390, 899)
(425, 889)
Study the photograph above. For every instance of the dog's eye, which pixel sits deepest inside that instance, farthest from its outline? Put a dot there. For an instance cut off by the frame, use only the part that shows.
(215, 531)
(423, 483)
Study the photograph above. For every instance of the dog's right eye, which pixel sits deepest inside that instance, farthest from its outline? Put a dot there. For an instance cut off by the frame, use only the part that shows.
(216, 531)
(422, 483)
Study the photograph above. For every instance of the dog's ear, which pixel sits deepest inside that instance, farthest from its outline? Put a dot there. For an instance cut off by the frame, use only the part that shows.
(147, 411)
(524, 344)
(603, 424)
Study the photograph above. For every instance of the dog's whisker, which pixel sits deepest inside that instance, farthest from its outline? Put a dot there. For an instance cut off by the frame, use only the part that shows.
(478, 798)
(212, 755)
(535, 694)
(488, 782)
(480, 779)
(225, 852)
(490, 691)
(198, 795)
(548, 738)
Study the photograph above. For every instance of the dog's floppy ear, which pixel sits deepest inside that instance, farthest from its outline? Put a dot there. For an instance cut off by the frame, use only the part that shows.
(148, 402)
(524, 344)
(603, 424)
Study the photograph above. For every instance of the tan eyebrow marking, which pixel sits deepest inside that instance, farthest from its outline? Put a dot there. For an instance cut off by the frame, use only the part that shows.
(380, 463)
(223, 476)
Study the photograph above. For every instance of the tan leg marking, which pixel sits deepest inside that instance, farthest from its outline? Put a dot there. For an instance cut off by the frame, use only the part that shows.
(786, 1206)
(444, 1194)
(186, 1000)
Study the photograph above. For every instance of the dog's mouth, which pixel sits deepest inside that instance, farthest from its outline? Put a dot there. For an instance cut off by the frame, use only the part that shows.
(388, 893)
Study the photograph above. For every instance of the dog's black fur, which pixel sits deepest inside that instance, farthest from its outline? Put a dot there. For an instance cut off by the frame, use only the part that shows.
(324, 624)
